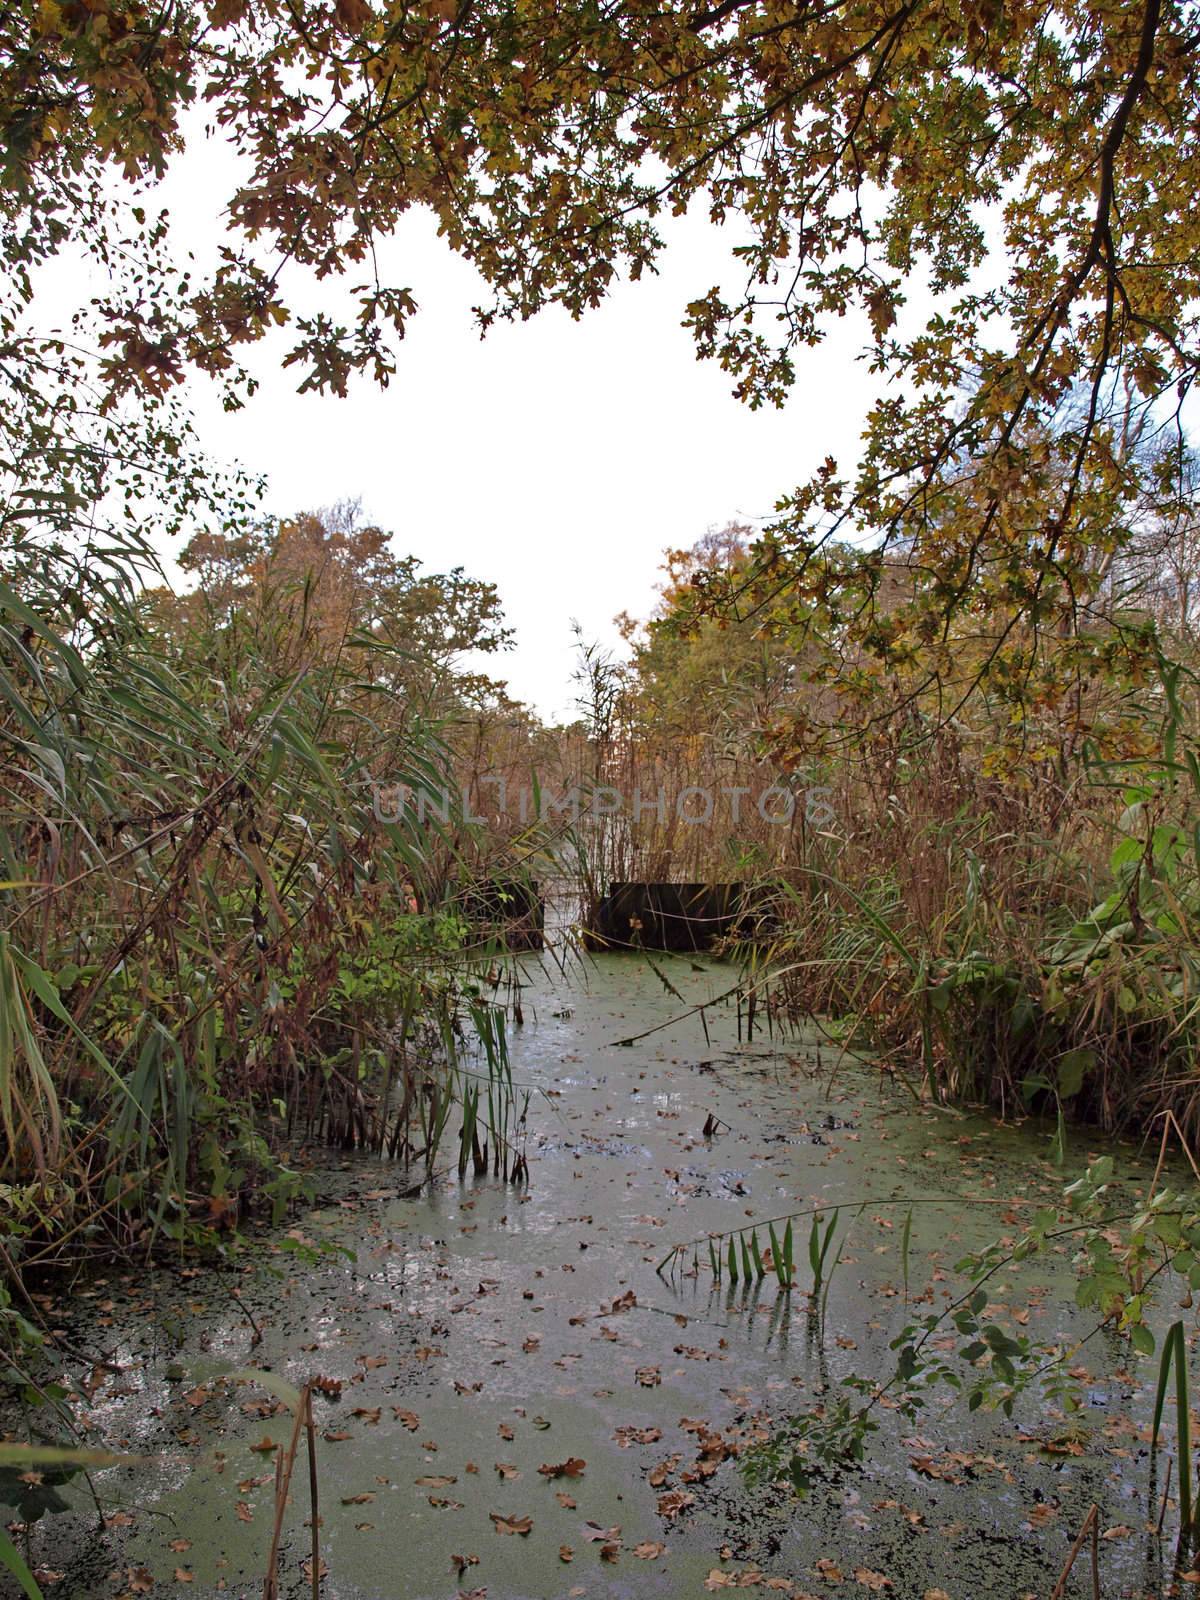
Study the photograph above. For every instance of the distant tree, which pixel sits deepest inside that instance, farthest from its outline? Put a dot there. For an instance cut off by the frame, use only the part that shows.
(326, 582)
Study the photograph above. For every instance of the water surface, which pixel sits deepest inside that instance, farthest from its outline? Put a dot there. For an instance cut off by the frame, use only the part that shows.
(484, 1332)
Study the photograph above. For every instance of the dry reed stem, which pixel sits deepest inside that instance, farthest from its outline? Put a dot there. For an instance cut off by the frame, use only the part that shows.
(283, 1480)
(1091, 1524)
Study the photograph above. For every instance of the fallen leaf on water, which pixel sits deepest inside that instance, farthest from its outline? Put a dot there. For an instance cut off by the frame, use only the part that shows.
(432, 1481)
(182, 1575)
(630, 1435)
(358, 1499)
(265, 1445)
(409, 1419)
(830, 1570)
(610, 1552)
(565, 1501)
(1041, 1514)
(649, 1549)
(521, 1525)
(872, 1580)
(593, 1532)
(944, 1470)
(565, 1553)
(675, 1501)
(508, 1469)
(572, 1467)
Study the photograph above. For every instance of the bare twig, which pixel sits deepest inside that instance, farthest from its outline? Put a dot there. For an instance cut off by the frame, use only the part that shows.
(283, 1481)
(314, 1507)
(1162, 1510)
(1090, 1525)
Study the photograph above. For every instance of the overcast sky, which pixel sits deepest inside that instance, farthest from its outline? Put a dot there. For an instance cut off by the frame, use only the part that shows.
(557, 459)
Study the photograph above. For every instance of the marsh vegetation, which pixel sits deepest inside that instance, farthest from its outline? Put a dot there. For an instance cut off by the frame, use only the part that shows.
(858, 1247)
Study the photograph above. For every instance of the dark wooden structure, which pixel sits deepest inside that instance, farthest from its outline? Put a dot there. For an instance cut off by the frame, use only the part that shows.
(666, 916)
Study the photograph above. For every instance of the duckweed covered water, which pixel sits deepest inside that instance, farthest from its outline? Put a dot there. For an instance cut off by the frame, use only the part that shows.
(484, 1334)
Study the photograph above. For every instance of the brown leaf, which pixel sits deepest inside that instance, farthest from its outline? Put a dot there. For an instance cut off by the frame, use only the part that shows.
(674, 1501)
(649, 1549)
(572, 1467)
(521, 1525)
(594, 1533)
(627, 1436)
(352, 14)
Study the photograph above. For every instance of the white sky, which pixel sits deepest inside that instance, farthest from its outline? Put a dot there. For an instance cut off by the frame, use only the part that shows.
(556, 458)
